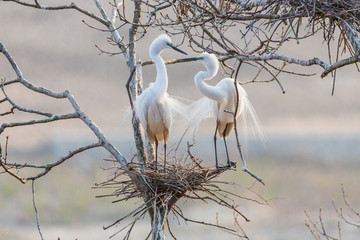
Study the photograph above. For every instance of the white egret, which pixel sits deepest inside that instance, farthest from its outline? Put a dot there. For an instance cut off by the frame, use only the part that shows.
(154, 107)
(220, 102)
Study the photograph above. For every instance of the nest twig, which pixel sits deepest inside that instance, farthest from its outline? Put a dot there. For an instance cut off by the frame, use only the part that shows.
(184, 178)
(180, 177)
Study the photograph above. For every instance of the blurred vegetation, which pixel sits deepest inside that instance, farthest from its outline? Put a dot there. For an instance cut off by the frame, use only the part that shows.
(295, 182)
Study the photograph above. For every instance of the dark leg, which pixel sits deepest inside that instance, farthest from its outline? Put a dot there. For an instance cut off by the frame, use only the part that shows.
(226, 149)
(164, 156)
(216, 158)
(156, 153)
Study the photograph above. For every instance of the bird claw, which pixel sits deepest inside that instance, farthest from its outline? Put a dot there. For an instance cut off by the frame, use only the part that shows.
(231, 164)
(223, 168)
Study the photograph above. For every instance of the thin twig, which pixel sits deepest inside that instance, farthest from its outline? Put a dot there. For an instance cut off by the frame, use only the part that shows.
(35, 209)
(244, 168)
(202, 222)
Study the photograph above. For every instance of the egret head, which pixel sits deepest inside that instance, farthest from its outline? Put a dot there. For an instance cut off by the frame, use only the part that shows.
(160, 43)
(210, 61)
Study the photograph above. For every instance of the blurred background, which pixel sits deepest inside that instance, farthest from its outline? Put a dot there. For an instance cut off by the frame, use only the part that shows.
(311, 145)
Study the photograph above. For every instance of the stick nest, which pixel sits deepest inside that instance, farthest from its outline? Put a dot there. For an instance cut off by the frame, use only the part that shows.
(185, 178)
(181, 176)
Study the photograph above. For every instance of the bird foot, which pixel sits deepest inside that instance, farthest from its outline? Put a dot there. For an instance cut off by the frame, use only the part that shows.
(153, 167)
(231, 164)
(223, 168)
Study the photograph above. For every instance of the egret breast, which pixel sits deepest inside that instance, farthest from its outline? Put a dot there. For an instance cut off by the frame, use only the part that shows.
(158, 121)
(227, 107)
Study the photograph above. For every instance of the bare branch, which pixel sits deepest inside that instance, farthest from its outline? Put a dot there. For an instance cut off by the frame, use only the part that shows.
(32, 122)
(27, 84)
(52, 117)
(61, 7)
(47, 167)
(22, 109)
(252, 4)
(202, 222)
(113, 31)
(115, 9)
(4, 166)
(265, 26)
(35, 209)
(136, 124)
(261, 27)
(317, 229)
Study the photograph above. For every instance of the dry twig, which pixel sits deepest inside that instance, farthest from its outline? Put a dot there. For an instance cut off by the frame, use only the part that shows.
(184, 179)
(317, 229)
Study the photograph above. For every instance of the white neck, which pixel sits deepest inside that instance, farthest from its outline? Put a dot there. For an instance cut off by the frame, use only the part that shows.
(161, 82)
(208, 90)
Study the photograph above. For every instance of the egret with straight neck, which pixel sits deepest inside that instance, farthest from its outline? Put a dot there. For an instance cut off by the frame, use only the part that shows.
(154, 106)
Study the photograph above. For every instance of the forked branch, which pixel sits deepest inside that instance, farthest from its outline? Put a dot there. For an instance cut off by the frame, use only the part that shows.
(77, 114)
(347, 215)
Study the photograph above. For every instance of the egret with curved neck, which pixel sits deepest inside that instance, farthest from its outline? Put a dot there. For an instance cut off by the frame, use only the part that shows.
(154, 107)
(227, 103)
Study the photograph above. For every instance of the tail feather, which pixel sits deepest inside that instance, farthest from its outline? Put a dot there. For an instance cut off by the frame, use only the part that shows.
(179, 109)
(202, 109)
(250, 119)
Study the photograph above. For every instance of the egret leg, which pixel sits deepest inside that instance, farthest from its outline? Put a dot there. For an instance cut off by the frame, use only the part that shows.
(165, 156)
(216, 158)
(226, 148)
(156, 153)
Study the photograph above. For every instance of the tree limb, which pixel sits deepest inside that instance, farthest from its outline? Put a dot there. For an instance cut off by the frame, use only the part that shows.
(61, 7)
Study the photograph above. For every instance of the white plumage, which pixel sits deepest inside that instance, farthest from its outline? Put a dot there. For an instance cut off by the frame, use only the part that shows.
(220, 102)
(154, 107)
